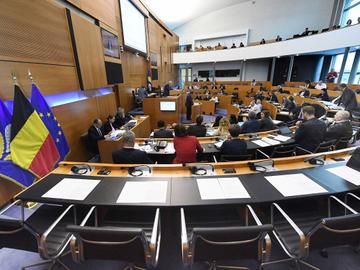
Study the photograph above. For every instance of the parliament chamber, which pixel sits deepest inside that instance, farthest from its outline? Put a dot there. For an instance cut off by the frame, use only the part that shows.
(178, 134)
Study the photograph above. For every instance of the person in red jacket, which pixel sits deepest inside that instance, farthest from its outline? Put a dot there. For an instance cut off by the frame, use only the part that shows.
(185, 146)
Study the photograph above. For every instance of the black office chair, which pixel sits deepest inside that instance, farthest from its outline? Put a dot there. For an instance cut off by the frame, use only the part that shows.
(353, 201)
(325, 146)
(226, 158)
(316, 229)
(48, 225)
(12, 230)
(136, 241)
(343, 143)
(209, 236)
(355, 118)
(284, 151)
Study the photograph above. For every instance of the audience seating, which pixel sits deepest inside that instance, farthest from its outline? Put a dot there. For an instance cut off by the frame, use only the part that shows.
(314, 229)
(343, 143)
(284, 151)
(225, 158)
(133, 237)
(325, 146)
(223, 235)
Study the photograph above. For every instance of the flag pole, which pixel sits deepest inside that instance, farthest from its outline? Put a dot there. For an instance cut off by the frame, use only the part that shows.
(30, 76)
(13, 77)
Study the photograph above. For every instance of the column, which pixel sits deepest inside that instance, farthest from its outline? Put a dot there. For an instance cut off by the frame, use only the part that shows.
(291, 65)
(273, 63)
(341, 73)
(354, 67)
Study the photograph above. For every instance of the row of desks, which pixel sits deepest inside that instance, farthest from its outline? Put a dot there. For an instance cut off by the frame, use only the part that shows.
(182, 190)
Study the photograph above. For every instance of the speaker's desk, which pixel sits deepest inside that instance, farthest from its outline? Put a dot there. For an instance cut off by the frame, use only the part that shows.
(106, 147)
(151, 107)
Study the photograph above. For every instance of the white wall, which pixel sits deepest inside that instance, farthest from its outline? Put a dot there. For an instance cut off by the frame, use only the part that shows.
(265, 19)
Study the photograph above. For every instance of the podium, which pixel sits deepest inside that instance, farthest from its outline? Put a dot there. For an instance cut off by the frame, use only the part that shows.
(157, 108)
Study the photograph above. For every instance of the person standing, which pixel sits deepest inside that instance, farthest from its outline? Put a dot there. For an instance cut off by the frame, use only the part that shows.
(347, 99)
(188, 103)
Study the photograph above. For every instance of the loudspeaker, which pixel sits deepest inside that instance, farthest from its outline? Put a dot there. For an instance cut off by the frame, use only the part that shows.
(114, 73)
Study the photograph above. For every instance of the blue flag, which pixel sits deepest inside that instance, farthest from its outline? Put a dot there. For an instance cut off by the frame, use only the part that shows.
(15, 174)
(50, 121)
(8, 170)
(5, 127)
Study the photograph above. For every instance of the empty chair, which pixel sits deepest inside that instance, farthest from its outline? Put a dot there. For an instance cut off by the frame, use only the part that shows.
(12, 230)
(284, 151)
(207, 237)
(48, 225)
(316, 228)
(325, 146)
(135, 240)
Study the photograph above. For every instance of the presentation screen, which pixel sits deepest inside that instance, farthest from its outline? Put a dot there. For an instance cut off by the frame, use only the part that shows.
(133, 25)
(167, 106)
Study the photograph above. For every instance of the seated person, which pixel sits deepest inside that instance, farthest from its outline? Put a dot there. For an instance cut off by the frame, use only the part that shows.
(324, 95)
(320, 85)
(340, 128)
(290, 104)
(121, 118)
(128, 154)
(241, 45)
(109, 125)
(198, 130)
(185, 146)
(253, 82)
(234, 145)
(252, 125)
(256, 107)
(266, 123)
(273, 97)
(278, 38)
(260, 95)
(233, 46)
(95, 134)
(310, 132)
(304, 92)
(233, 120)
(162, 132)
(223, 129)
(262, 41)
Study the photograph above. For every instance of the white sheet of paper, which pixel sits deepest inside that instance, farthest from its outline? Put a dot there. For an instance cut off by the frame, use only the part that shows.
(219, 144)
(221, 188)
(233, 188)
(170, 149)
(347, 173)
(261, 143)
(72, 189)
(295, 184)
(281, 138)
(270, 141)
(143, 192)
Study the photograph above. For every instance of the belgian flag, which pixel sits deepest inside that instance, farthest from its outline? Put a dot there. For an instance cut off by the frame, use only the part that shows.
(31, 145)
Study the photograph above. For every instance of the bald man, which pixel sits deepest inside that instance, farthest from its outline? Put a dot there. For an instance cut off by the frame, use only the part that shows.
(340, 128)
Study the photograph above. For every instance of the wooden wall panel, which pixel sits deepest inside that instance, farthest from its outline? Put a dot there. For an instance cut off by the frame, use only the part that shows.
(75, 119)
(106, 105)
(50, 79)
(103, 10)
(34, 31)
(90, 52)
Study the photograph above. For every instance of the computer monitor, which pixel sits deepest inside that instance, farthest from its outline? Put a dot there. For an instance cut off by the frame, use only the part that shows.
(167, 106)
(284, 130)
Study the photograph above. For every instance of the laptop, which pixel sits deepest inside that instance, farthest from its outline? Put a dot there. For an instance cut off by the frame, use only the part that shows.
(285, 130)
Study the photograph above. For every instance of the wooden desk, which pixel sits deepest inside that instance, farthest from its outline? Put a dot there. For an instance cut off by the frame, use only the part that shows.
(224, 101)
(106, 147)
(195, 110)
(151, 107)
(207, 107)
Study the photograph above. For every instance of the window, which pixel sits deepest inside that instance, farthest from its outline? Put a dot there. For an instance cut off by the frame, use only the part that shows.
(351, 11)
(185, 73)
(338, 59)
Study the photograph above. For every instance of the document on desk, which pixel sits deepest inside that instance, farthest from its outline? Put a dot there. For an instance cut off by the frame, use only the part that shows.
(72, 189)
(218, 144)
(270, 141)
(170, 149)
(143, 192)
(295, 184)
(347, 173)
(261, 143)
(221, 188)
(282, 138)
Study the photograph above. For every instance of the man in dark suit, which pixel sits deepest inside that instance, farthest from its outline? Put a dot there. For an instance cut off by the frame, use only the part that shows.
(162, 132)
(167, 89)
(252, 125)
(129, 155)
(234, 146)
(311, 132)
(95, 134)
(347, 99)
(188, 103)
(340, 128)
(198, 130)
